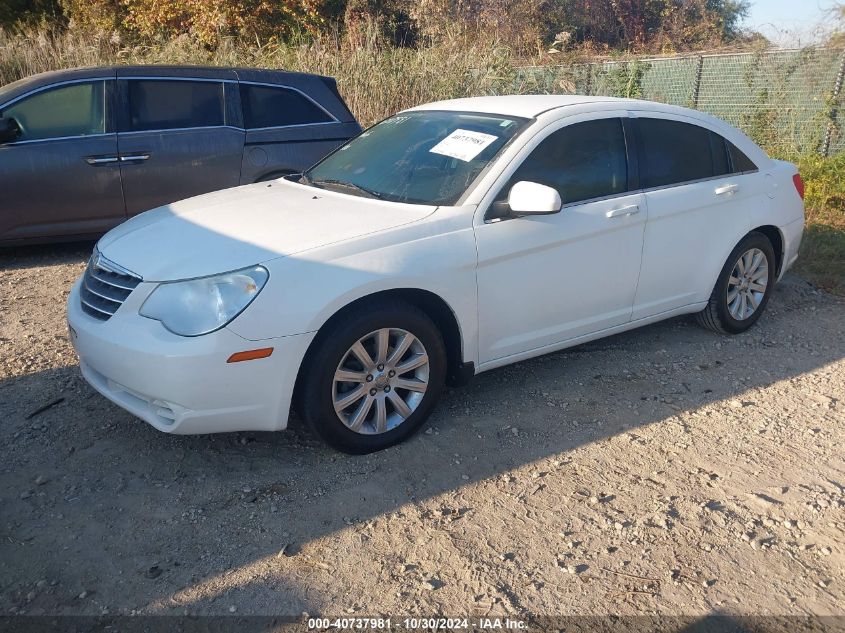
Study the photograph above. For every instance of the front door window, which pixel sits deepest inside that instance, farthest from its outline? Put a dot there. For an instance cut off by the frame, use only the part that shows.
(72, 110)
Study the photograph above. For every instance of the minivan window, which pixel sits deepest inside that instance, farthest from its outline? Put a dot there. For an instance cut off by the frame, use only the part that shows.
(741, 163)
(266, 106)
(582, 161)
(673, 152)
(77, 109)
(170, 104)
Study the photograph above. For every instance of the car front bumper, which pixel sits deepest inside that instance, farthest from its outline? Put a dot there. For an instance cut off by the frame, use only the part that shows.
(184, 385)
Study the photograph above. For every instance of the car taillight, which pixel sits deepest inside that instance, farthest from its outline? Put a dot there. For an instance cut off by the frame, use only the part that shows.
(799, 185)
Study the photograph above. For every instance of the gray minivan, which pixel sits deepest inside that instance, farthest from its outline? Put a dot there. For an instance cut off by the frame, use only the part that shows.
(82, 150)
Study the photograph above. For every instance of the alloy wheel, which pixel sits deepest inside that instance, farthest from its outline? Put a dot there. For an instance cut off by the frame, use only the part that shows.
(380, 381)
(747, 284)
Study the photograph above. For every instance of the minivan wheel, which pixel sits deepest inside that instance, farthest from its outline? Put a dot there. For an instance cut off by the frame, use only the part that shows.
(743, 288)
(374, 377)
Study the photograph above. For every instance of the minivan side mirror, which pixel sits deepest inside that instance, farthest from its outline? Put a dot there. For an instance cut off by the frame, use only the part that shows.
(9, 130)
(532, 198)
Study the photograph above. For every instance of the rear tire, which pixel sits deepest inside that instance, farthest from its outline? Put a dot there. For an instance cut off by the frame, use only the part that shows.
(373, 377)
(743, 287)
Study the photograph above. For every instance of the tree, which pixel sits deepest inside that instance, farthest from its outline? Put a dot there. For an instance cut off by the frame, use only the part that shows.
(207, 20)
(523, 25)
(16, 12)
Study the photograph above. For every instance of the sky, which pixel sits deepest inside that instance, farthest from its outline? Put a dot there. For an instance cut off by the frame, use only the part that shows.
(791, 22)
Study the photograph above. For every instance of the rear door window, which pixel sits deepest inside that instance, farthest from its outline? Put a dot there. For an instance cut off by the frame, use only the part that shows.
(581, 161)
(674, 152)
(164, 104)
(719, 152)
(271, 106)
(77, 109)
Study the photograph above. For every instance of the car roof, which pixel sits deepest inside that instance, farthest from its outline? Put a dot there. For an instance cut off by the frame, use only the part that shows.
(16, 88)
(533, 106)
(530, 106)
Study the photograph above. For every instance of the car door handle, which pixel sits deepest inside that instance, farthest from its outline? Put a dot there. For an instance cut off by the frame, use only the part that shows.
(631, 209)
(100, 160)
(131, 158)
(726, 189)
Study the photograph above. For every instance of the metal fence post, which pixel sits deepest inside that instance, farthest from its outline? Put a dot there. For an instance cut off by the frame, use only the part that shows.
(834, 109)
(696, 88)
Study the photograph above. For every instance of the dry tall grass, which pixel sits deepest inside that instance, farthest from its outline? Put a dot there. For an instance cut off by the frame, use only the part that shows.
(375, 79)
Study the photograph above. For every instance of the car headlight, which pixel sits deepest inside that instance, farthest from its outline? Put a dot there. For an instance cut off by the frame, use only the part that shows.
(200, 306)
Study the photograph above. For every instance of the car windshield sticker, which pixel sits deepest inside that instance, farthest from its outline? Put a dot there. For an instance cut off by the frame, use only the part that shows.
(463, 144)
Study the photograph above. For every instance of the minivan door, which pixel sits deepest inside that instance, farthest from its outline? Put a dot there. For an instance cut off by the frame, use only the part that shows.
(175, 140)
(61, 176)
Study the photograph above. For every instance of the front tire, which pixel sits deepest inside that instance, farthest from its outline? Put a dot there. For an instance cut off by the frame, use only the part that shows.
(743, 288)
(374, 377)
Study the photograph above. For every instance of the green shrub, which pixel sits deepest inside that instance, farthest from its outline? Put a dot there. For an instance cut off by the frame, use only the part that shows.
(822, 258)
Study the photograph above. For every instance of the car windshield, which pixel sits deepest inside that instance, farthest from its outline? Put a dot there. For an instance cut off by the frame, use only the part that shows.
(421, 157)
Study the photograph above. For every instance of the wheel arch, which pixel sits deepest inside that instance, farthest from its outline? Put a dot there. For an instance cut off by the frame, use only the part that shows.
(774, 235)
(432, 304)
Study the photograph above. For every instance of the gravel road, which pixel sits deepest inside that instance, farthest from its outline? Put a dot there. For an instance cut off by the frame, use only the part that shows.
(668, 470)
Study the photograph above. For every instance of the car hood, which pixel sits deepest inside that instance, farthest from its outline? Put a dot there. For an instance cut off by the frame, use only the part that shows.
(243, 226)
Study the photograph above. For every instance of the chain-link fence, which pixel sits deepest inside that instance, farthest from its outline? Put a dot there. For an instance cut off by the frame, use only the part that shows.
(787, 100)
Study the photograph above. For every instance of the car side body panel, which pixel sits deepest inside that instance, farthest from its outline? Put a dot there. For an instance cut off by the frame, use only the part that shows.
(287, 150)
(177, 164)
(142, 170)
(395, 258)
(783, 209)
(64, 186)
(81, 199)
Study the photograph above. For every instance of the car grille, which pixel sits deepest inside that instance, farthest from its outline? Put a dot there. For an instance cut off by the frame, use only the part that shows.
(104, 288)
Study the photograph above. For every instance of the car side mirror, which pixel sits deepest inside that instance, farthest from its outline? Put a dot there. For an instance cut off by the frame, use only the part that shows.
(532, 198)
(9, 130)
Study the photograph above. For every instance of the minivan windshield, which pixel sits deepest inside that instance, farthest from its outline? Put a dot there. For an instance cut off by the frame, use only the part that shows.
(419, 157)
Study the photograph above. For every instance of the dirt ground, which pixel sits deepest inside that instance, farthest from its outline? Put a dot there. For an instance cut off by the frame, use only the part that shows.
(669, 470)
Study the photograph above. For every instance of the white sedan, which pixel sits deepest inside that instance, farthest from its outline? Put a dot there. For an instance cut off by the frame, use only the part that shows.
(447, 240)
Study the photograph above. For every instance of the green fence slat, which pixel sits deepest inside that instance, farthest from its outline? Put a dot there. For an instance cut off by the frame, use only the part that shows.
(782, 99)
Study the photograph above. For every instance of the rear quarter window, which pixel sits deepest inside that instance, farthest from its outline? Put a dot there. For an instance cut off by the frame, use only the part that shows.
(269, 106)
(739, 161)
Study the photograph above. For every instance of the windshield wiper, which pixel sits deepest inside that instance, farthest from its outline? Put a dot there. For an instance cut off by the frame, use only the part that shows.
(346, 185)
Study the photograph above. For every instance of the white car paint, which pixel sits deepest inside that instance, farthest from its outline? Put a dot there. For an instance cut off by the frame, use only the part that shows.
(238, 227)
(517, 289)
(531, 198)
